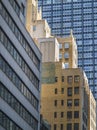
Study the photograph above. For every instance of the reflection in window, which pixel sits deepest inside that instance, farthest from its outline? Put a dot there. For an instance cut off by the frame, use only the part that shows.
(69, 114)
(76, 78)
(69, 102)
(69, 126)
(69, 79)
(66, 45)
(66, 65)
(76, 102)
(69, 92)
(60, 56)
(66, 55)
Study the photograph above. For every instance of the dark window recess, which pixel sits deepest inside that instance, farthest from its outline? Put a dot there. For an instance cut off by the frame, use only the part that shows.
(76, 114)
(76, 126)
(69, 115)
(76, 102)
(55, 127)
(55, 103)
(61, 127)
(56, 90)
(62, 90)
(69, 126)
(62, 102)
(76, 90)
(62, 114)
(69, 102)
(55, 114)
(62, 78)
(56, 79)
(69, 92)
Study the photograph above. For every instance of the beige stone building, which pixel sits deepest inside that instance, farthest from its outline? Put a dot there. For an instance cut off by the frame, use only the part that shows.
(64, 97)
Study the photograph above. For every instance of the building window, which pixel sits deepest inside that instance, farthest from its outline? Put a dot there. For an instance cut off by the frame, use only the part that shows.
(60, 56)
(56, 90)
(76, 102)
(69, 126)
(76, 126)
(66, 45)
(62, 114)
(62, 78)
(69, 79)
(61, 127)
(66, 55)
(76, 114)
(7, 123)
(66, 65)
(62, 90)
(76, 78)
(69, 102)
(56, 79)
(55, 103)
(34, 28)
(69, 115)
(76, 90)
(62, 102)
(60, 46)
(55, 127)
(55, 114)
(22, 9)
(69, 92)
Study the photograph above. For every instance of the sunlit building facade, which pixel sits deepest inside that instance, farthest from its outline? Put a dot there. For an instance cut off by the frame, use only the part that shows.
(65, 101)
(81, 17)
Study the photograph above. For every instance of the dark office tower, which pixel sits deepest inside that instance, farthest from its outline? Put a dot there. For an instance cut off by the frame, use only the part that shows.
(20, 63)
(81, 17)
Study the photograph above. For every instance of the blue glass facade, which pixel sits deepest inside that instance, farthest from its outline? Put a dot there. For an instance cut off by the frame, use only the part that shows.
(81, 16)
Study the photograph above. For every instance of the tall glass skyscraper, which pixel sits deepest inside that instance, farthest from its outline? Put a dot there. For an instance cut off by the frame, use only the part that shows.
(81, 17)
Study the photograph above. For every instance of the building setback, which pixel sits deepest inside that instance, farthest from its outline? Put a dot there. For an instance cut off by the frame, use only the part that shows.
(81, 17)
(20, 67)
